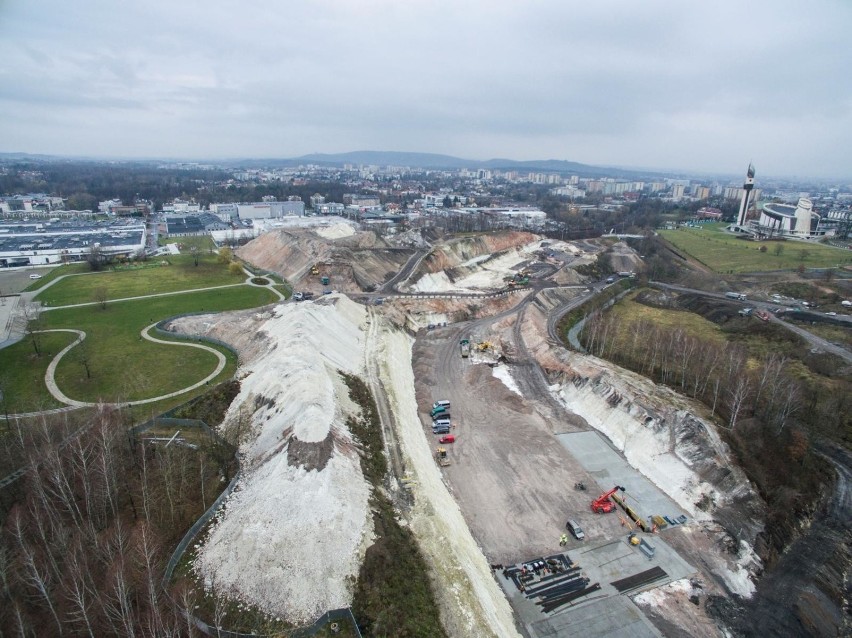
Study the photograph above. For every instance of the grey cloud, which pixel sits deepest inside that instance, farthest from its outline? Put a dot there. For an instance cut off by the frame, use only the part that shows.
(618, 82)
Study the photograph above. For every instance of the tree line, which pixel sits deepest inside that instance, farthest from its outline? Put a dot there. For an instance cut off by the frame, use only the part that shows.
(84, 544)
(768, 412)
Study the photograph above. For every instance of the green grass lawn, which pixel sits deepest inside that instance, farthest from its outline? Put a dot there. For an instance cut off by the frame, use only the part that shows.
(22, 373)
(725, 253)
(70, 269)
(630, 312)
(180, 274)
(124, 367)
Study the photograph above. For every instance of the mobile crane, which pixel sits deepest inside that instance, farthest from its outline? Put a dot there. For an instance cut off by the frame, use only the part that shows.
(602, 504)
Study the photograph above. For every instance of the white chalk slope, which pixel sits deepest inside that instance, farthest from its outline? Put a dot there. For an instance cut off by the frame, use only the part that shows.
(288, 539)
(486, 273)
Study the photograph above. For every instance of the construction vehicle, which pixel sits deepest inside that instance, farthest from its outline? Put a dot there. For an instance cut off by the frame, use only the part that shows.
(482, 347)
(325, 280)
(762, 315)
(314, 270)
(602, 504)
(464, 344)
(441, 457)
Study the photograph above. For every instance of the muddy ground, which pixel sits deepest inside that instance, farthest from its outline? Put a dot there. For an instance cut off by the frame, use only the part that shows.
(511, 477)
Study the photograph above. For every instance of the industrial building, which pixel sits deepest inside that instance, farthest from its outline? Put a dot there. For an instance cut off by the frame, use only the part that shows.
(271, 210)
(54, 242)
(193, 224)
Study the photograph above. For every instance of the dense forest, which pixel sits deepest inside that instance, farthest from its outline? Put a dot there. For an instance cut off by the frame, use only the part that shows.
(87, 530)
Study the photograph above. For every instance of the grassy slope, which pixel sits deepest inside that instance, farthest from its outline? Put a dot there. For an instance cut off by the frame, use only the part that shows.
(152, 278)
(725, 253)
(22, 373)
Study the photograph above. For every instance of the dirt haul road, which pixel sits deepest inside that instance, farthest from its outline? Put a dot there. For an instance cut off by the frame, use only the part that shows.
(512, 478)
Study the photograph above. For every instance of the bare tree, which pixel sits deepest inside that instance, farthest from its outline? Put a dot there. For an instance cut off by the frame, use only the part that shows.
(79, 589)
(147, 556)
(738, 393)
(790, 404)
(101, 295)
(34, 575)
(118, 604)
(28, 321)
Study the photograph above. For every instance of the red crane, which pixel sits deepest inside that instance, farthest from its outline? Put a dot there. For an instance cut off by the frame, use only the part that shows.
(602, 504)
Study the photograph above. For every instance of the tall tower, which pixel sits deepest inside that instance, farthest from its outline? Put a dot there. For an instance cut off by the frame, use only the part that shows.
(745, 203)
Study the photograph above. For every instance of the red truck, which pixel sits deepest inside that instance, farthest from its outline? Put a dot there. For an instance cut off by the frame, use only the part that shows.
(447, 438)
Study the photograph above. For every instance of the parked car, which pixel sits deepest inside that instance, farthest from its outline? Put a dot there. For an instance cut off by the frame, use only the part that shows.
(298, 296)
(576, 530)
(35, 276)
(447, 438)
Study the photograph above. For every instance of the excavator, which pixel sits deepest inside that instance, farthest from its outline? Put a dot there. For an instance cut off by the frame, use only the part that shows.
(602, 504)
(441, 456)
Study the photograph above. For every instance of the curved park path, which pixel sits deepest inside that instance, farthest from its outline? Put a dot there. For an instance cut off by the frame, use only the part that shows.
(50, 380)
(70, 404)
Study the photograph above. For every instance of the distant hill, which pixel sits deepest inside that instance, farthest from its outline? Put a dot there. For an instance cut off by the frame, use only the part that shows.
(448, 162)
(432, 161)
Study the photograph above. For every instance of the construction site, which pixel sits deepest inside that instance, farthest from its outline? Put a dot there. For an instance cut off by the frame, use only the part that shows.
(554, 494)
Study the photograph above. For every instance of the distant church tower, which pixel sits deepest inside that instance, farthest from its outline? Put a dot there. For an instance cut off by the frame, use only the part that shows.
(745, 203)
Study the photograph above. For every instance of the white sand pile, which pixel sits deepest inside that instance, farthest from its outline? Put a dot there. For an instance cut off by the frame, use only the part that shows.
(505, 375)
(288, 540)
(336, 231)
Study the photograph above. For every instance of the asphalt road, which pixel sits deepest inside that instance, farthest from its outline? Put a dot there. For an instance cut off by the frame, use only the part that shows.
(815, 341)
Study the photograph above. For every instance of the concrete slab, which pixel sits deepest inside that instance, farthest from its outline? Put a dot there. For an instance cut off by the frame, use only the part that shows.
(612, 617)
(603, 564)
(603, 462)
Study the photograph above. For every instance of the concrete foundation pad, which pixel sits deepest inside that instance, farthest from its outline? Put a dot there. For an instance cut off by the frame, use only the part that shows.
(599, 459)
(611, 617)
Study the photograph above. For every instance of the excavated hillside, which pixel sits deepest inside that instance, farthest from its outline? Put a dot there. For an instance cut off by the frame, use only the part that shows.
(624, 259)
(354, 261)
(673, 442)
(457, 259)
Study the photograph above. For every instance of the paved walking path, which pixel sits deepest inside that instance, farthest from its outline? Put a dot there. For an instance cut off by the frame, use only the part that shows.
(50, 379)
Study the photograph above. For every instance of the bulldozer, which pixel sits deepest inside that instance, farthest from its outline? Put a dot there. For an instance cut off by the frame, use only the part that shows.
(485, 345)
(441, 456)
(315, 269)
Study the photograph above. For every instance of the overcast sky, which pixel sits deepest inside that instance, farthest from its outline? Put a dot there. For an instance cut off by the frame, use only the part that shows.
(674, 84)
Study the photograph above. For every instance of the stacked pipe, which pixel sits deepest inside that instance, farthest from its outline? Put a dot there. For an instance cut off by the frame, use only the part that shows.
(631, 513)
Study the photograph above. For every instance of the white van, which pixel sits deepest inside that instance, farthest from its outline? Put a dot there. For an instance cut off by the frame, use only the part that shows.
(443, 403)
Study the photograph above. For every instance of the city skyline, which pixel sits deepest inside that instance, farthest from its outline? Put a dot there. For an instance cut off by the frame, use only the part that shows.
(702, 88)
